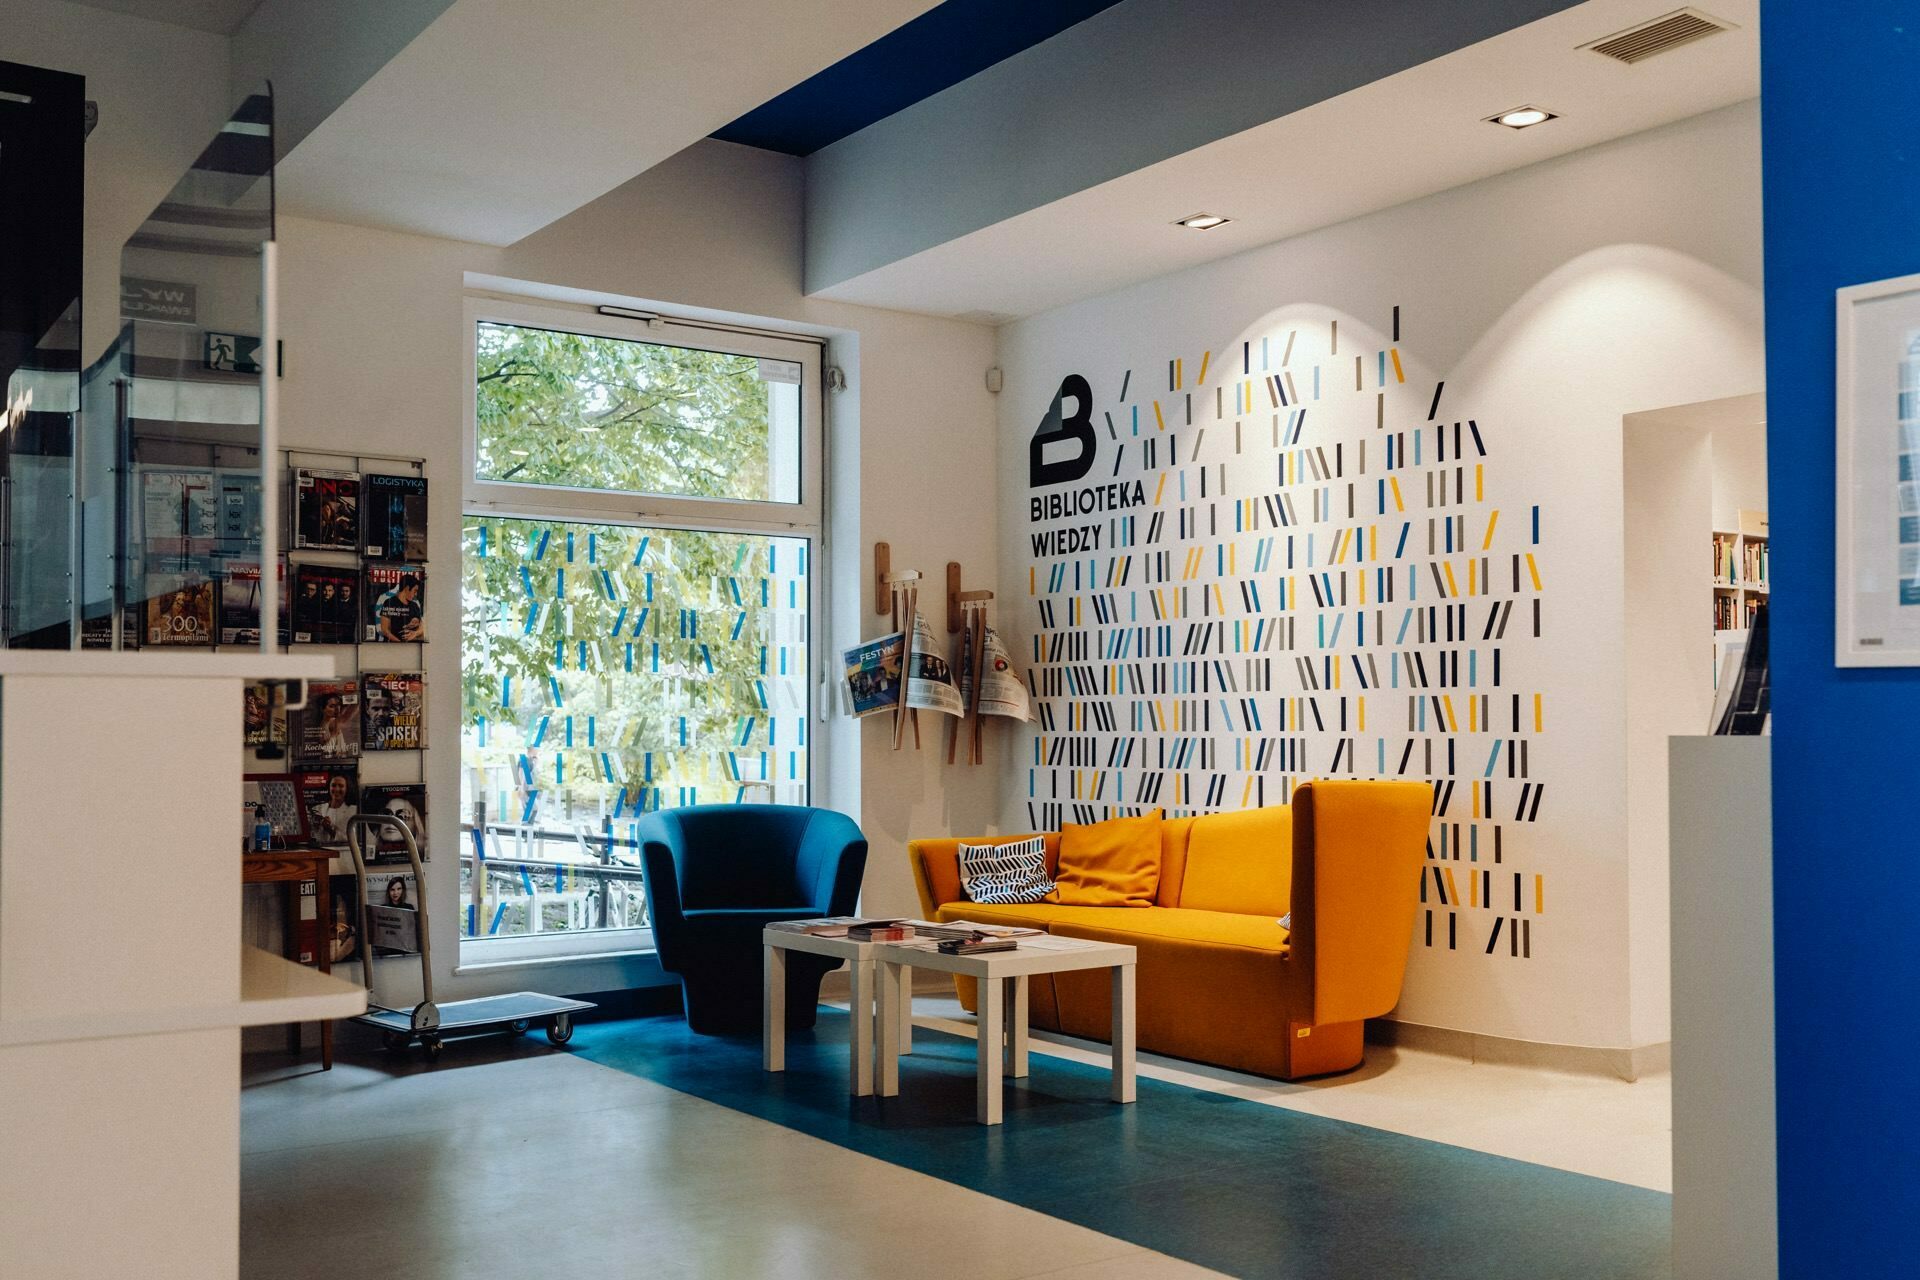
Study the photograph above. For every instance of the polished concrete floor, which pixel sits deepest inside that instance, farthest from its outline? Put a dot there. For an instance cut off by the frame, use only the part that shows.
(510, 1159)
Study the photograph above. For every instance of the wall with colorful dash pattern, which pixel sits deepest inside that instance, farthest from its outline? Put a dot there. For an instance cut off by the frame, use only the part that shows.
(1350, 505)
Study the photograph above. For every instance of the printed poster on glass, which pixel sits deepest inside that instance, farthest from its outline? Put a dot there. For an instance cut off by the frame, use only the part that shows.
(1877, 416)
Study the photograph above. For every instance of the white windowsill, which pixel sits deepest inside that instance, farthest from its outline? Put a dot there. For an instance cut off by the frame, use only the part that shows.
(492, 955)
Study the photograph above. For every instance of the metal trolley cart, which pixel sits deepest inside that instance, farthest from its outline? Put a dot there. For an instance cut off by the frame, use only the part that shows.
(404, 930)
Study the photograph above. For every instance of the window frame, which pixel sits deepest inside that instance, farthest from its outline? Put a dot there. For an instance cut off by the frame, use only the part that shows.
(806, 518)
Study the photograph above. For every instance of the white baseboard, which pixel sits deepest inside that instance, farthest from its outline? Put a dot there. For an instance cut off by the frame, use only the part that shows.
(1622, 1063)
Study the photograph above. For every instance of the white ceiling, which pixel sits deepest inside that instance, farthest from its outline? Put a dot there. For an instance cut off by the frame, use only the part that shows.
(1397, 139)
(504, 115)
(222, 17)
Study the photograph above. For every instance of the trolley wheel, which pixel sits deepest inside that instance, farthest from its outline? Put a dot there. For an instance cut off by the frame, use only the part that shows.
(560, 1030)
(432, 1045)
(395, 1041)
(520, 1026)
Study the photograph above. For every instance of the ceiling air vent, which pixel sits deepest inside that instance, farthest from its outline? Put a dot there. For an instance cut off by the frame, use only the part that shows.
(1637, 44)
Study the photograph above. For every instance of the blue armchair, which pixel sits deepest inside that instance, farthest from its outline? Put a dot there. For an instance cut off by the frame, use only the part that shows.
(717, 874)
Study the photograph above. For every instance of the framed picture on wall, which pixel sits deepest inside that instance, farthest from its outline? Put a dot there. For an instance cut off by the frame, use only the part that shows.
(1877, 438)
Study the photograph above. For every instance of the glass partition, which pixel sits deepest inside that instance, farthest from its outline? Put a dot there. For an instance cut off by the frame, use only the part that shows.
(42, 137)
(171, 461)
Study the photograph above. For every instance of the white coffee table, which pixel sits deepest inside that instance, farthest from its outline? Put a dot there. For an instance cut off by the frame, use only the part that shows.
(860, 1008)
(1002, 978)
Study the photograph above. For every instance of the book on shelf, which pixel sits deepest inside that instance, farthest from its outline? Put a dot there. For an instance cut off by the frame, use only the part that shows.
(326, 509)
(396, 517)
(393, 715)
(396, 596)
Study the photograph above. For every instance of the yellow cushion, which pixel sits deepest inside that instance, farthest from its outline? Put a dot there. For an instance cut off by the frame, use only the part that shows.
(1240, 862)
(1115, 863)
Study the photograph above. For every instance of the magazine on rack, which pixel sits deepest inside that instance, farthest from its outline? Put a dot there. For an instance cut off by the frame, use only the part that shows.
(326, 509)
(326, 604)
(178, 512)
(240, 602)
(331, 798)
(396, 596)
(406, 802)
(396, 517)
(394, 710)
(930, 684)
(1002, 691)
(180, 605)
(873, 675)
(330, 722)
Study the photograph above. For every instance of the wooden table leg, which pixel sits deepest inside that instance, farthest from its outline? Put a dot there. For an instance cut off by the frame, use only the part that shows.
(323, 950)
(1017, 1027)
(773, 1008)
(290, 902)
(992, 1025)
(1123, 1087)
(860, 1035)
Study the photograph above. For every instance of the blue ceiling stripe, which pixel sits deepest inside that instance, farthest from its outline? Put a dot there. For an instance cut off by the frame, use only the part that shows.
(940, 48)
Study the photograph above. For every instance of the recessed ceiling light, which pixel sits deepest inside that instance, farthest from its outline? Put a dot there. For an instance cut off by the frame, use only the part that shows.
(1203, 222)
(1523, 117)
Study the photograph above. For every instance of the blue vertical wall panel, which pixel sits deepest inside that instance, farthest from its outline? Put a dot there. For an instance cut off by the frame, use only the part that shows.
(1840, 107)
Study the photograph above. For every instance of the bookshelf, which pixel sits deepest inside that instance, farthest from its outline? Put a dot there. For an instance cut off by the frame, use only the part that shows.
(1741, 580)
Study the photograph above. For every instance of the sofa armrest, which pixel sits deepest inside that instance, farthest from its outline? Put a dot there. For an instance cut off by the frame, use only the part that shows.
(936, 873)
(1358, 848)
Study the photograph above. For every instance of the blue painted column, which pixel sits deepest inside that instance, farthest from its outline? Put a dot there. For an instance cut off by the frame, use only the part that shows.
(1840, 105)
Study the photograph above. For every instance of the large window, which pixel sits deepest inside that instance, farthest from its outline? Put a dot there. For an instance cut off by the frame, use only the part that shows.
(642, 517)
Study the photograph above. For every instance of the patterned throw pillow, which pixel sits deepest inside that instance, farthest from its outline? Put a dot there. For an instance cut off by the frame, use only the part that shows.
(1014, 872)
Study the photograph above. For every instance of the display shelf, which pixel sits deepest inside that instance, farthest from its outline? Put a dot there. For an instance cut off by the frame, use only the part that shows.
(272, 990)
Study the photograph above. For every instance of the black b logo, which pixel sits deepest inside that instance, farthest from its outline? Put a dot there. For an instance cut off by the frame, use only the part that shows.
(1060, 427)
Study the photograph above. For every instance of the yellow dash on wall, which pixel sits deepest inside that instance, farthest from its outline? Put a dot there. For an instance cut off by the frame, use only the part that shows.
(1398, 505)
(1492, 520)
(1032, 580)
(1534, 570)
(1473, 587)
(1161, 419)
(1373, 542)
(1362, 712)
(1539, 895)
(1453, 586)
(1453, 721)
(1201, 379)
(1399, 375)
(1453, 891)
(1179, 374)
(1473, 726)
(1473, 889)
(1361, 576)
(1479, 486)
(1539, 715)
(1160, 489)
(1476, 801)
(1246, 794)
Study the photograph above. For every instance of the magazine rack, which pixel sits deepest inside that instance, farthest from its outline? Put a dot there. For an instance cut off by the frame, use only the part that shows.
(973, 626)
(903, 589)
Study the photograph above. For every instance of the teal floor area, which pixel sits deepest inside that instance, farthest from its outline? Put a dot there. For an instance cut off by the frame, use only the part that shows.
(1244, 1188)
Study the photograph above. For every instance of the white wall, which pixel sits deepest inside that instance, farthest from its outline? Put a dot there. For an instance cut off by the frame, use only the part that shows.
(1668, 478)
(1552, 301)
(372, 327)
(373, 332)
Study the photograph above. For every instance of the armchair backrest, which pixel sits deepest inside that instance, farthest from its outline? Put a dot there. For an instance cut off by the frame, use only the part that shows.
(1357, 853)
(751, 855)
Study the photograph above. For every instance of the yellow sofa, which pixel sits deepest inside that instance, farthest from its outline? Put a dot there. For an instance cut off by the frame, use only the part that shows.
(1219, 979)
